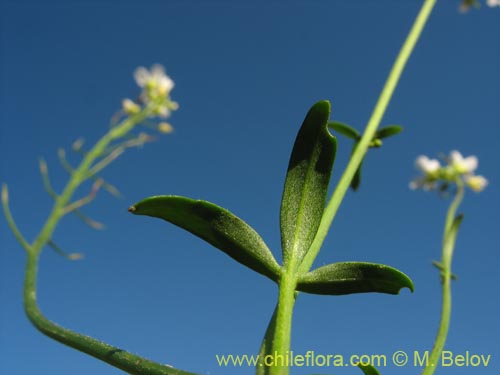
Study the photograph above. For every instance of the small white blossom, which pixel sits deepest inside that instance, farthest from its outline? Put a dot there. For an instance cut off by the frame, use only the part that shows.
(426, 165)
(476, 183)
(458, 171)
(162, 111)
(155, 80)
(156, 90)
(493, 3)
(461, 165)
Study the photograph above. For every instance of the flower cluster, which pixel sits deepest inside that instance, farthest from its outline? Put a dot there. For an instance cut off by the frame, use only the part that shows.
(457, 170)
(465, 5)
(156, 86)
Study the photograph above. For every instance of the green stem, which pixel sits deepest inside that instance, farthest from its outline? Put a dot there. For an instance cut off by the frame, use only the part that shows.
(370, 130)
(283, 324)
(117, 357)
(10, 220)
(81, 174)
(449, 236)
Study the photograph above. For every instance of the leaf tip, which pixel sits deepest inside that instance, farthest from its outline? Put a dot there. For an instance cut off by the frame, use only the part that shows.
(324, 105)
(131, 209)
(408, 285)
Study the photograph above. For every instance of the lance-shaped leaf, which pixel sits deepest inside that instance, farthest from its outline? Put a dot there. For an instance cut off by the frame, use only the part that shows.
(306, 184)
(354, 277)
(368, 369)
(356, 180)
(388, 131)
(266, 346)
(215, 225)
(345, 130)
(376, 142)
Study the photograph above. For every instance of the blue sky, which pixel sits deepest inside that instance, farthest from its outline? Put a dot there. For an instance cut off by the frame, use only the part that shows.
(246, 73)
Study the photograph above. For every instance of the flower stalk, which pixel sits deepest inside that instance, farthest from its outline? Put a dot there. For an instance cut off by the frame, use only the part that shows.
(450, 233)
(370, 130)
(93, 161)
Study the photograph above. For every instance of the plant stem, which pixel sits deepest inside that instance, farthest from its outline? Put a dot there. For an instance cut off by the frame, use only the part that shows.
(449, 236)
(117, 357)
(114, 356)
(283, 328)
(80, 175)
(371, 128)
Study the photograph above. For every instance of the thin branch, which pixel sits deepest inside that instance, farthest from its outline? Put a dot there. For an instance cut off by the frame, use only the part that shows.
(61, 153)
(94, 224)
(10, 220)
(85, 200)
(44, 171)
(106, 161)
(133, 141)
(61, 252)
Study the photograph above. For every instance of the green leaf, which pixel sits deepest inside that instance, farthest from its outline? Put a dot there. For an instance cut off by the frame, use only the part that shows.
(215, 225)
(266, 346)
(306, 184)
(345, 130)
(354, 277)
(356, 180)
(368, 369)
(388, 131)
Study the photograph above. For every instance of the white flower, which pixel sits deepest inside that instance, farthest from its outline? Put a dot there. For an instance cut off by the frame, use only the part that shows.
(493, 3)
(461, 165)
(156, 90)
(458, 171)
(162, 111)
(154, 80)
(426, 165)
(476, 183)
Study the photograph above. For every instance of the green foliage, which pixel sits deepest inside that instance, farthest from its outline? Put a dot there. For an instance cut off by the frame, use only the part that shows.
(368, 369)
(376, 142)
(306, 184)
(354, 277)
(215, 225)
(266, 348)
(345, 130)
(388, 131)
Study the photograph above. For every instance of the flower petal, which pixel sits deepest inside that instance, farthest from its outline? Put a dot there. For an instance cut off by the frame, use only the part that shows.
(427, 165)
(141, 76)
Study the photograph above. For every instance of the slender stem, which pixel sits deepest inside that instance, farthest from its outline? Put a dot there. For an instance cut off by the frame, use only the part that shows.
(371, 128)
(10, 220)
(287, 296)
(449, 236)
(283, 328)
(80, 175)
(117, 357)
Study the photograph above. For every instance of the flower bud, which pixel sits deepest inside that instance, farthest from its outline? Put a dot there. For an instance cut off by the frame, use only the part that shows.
(165, 127)
(130, 108)
(476, 183)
